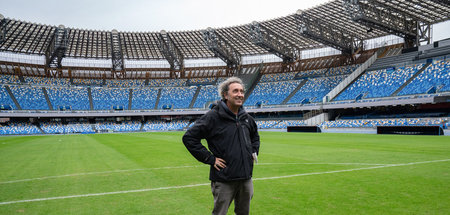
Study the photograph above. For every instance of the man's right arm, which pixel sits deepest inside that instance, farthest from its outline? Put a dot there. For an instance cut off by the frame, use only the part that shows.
(192, 140)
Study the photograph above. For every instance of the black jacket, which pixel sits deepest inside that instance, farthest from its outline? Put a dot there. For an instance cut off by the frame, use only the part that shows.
(230, 137)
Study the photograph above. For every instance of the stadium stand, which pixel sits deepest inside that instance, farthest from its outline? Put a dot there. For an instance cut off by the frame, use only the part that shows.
(163, 125)
(42, 81)
(127, 126)
(30, 97)
(271, 93)
(76, 98)
(87, 82)
(372, 123)
(124, 83)
(105, 98)
(5, 99)
(71, 128)
(177, 97)
(379, 83)
(9, 79)
(289, 80)
(144, 98)
(436, 75)
(206, 94)
(19, 128)
(315, 89)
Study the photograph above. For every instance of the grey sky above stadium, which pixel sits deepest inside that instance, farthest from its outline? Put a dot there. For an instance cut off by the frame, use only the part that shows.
(157, 15)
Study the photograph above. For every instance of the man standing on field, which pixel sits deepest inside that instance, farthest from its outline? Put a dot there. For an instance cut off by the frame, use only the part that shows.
(233, 143)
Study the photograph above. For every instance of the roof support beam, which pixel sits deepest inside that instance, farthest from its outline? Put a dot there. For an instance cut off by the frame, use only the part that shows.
(273, 43)
(56, 50)
(442, 2)
(328, 34)
(170, 51)
(384, 18)
(222, 49)
(116, 49)
(2, 29)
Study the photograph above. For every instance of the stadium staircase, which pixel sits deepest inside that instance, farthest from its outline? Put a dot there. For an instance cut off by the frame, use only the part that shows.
(311, 114)
(157, 99)
(91, 103)
(40, 129)
(251, 80)
(386, 62)
(294, 91)
(315, 117)
(434, 52)
(142, 126)
(350, 78)
(195, 96)
(12, 97)
(130, 99)
(410, 79)
(22, 80)
(49, 103)
(391, 51)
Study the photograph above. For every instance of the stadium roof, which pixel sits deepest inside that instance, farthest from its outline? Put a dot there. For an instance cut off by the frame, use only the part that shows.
(31, 38)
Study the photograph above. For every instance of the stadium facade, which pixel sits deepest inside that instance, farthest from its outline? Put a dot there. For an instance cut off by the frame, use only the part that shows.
(381, 68)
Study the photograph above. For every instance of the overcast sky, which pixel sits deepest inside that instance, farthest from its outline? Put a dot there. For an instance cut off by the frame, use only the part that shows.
(157, 15)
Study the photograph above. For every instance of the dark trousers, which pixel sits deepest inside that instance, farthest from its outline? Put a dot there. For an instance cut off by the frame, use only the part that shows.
(225, 192)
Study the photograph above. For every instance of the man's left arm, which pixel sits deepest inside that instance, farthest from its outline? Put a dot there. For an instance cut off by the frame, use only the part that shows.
(255, 137)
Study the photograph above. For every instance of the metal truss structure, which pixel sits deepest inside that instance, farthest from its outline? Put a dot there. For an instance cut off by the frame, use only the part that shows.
(273, 43)
(2, 29)
(223, 50)
(56, 50)
(408, 19)
(328, 34)
(356, 20)
(116, 50)
(171, 51)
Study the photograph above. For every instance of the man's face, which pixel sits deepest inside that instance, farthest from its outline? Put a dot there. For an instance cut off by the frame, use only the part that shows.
(235, 95)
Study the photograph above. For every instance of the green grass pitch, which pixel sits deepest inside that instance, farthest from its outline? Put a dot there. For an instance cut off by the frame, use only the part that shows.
(153, 173)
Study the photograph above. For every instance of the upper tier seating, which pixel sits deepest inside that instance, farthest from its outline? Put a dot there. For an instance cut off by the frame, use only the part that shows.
(75, 97)
(379, 83)
(178, 97)
(436, 75)
(200, 81)
(125, 83)
(5, 99)
(9, 79)
(105, 98)
(144, 98)
(277, 77)
(95, 82)
(207, 94)
(315, 89)
(271, 93)
(30, 97)
(47, 81)
(166, 82)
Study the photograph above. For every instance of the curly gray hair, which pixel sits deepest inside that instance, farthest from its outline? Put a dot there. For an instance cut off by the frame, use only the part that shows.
(225, 86)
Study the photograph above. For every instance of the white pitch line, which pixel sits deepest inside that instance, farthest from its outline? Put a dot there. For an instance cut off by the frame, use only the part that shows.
(204, 184)
(92, 173)
(103, 194)
(157, 168)
(350, 170)
(370, 164)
